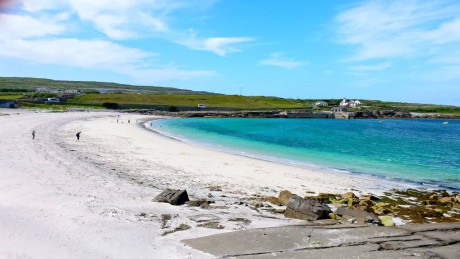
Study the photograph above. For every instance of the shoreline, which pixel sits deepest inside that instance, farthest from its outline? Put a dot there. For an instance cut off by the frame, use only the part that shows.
(397, 182)
(69, 199)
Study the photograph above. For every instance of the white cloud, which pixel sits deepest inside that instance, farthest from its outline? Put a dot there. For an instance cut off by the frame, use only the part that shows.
(221, 45)
(374, 67)
(120, 19)
(42, 5)
(218, 45)
(393, 29)
(278, 60)
(17, 26)
(124, 20)
(96, 55)
(74, 53)
(42, 32)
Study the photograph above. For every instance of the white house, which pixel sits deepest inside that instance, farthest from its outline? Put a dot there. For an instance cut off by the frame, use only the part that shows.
(321, 103)
(344, 102)
(71, 91)
(350, 103)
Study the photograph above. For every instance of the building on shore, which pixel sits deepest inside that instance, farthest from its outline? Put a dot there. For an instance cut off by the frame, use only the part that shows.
(341, 112)
(321, 103)
(349, 103)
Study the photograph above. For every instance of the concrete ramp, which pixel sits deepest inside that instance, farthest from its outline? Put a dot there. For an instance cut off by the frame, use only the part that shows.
(337, 241)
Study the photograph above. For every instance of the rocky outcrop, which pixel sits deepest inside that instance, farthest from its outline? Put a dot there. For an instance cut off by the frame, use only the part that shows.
(357, 215)
(284, 196)
(410, 205)
(173, 197)
(382, 114)
(306, 209)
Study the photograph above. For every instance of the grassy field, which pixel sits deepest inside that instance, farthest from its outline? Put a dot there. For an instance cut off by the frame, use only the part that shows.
(131, 96)
(30, 84)
(8, 96)
(413, 107)
(224, 101)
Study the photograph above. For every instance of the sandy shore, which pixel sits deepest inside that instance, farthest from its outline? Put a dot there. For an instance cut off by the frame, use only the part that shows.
(92, 199)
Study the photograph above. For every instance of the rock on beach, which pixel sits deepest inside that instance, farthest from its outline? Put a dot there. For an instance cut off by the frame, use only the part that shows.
(306, 209)
(173, 197)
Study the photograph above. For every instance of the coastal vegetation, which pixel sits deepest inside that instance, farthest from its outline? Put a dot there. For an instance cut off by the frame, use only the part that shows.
(123, 96)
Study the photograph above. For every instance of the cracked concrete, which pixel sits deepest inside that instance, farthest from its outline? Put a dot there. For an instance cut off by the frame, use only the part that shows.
(339, 241)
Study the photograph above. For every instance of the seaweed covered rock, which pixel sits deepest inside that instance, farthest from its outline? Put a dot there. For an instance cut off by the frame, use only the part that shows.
(173, 197)
(306, 209)
(387, 221)
(327, 198)
(349, 195)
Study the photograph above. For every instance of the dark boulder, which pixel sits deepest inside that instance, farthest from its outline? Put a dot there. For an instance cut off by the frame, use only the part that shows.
(173, 197)
(306, 209)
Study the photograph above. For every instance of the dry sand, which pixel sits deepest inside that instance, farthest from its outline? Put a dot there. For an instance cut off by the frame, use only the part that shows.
(61, 198)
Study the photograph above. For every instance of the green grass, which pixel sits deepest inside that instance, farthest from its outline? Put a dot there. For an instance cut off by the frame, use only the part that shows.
(10, 96)
(413, 107)
(57, 107)
(30, 84)
(224, 101)
(127, 96)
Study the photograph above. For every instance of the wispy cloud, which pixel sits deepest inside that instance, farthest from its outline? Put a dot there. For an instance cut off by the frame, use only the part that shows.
(218, 45)
(54, 22)
(74, 53)
(19, 27)
(374, 67)
(389, 29)
(279, 60)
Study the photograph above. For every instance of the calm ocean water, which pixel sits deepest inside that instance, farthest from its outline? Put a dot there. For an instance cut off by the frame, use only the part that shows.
(420, 151)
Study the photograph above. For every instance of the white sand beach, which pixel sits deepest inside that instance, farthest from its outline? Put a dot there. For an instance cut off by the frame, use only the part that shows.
(61, 198)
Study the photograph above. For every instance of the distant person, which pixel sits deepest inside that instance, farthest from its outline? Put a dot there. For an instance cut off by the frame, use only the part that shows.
(33, 134)
(78, 135)
(129, 121)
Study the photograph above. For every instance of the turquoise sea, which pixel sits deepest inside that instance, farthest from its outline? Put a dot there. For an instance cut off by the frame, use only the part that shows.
(425, 152)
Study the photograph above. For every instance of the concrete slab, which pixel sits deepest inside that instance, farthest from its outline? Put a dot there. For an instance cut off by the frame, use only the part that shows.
(405, 244)
(364, 251)
(448, 236)
(287, 238)
(431, 227)
(447, 252)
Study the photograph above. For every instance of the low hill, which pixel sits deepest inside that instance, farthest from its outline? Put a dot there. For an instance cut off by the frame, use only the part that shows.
(153, 97)
(9, 84)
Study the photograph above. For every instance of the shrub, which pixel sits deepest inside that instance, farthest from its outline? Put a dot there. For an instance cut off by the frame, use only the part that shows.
(173, 109)
(112, 106)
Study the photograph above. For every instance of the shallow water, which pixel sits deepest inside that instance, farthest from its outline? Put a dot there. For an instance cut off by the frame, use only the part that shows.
(421, 151)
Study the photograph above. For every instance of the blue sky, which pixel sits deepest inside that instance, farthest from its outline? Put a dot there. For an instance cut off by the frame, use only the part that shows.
(387, 50)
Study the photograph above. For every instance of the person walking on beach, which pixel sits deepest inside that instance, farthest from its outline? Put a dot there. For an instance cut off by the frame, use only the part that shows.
(33, 134)
(78, 135)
